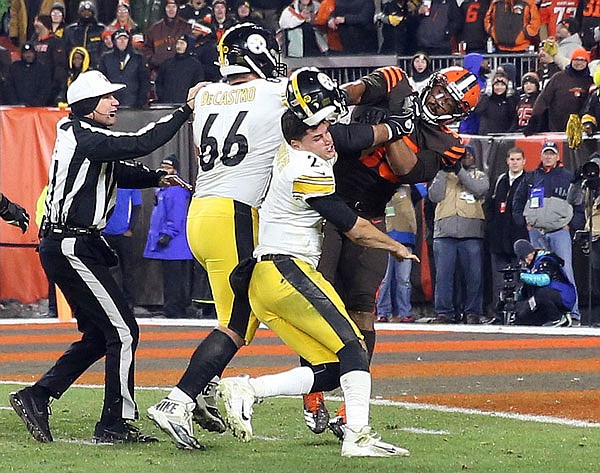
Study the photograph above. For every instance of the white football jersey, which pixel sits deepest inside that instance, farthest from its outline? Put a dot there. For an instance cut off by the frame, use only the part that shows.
(237, 129)
(287, 224)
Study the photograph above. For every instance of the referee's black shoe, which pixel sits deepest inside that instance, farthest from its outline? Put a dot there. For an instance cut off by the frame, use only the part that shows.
(120, 431)
(33, 411)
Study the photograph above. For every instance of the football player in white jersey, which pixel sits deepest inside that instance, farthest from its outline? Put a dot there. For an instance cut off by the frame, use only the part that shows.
(237, 131)
(300, 305)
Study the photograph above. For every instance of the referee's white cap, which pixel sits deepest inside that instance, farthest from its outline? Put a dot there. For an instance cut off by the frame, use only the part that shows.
(90, 84)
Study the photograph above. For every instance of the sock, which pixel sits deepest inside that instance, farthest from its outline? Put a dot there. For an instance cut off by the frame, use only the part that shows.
(177, 394)
(293, 382)
(210, 359)
(357, 393)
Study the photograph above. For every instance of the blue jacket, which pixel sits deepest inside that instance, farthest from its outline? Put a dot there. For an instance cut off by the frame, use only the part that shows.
(169, 218)
(546, 269)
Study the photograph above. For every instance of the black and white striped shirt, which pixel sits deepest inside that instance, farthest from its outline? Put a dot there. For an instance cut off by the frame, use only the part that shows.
(87, 167)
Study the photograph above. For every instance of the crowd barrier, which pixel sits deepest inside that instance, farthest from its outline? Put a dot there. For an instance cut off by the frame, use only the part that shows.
(26, 139)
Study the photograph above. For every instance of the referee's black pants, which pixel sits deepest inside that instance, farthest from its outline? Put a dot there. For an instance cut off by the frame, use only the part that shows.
(80, 267)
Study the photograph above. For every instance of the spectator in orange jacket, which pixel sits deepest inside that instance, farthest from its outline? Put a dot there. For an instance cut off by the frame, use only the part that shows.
(513, 24)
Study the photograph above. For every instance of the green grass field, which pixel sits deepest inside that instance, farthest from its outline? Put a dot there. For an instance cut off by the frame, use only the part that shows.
(439, 443)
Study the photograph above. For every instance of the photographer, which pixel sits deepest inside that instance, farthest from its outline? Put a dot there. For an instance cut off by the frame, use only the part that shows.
(587, 178)
(547, 294)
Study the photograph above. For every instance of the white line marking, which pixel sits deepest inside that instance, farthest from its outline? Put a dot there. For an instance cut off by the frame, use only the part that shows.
(211, 323)
(415, 430)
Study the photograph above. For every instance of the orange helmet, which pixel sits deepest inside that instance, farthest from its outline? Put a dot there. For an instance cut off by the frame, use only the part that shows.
(461, 85)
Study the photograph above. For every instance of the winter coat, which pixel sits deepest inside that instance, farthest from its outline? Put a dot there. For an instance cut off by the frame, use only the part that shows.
(87, 34)
(29, 84)
(159, 44)
(566, 93)
(169, 218)
(472, 63)
(176, 75)
(358, 33)
(303, 38)
(541, 201)
(127, 67)
(497, 112)
(51, 51)
(21, 25)
(524, 111)
(547, 269)
(436, 29)
(503, 231)
(512, 24)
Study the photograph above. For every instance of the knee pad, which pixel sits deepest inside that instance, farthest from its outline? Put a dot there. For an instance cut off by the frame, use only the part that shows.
(327, 376)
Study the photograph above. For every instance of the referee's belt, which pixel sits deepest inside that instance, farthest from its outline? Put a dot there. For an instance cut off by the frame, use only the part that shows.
(273, 257)
(66, 231)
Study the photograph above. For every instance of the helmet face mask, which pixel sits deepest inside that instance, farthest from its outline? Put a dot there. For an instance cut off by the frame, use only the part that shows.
(313, 97)
(459, 84)
(248, 48)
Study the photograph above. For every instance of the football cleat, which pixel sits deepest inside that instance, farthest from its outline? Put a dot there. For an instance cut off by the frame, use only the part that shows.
(238, 396)
(120, 432)
(34, 412)
(366, 443)
(337, 423)
(206, 414)
(316, 415)
(174, 418)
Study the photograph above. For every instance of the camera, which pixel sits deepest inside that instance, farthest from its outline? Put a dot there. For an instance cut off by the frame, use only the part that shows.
(590, 171)
(506, 308)
(582, 238)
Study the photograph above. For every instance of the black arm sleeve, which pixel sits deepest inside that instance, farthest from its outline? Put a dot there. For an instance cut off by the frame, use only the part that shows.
(352, 138)
(116, 146)
(335, 210)
(137, 176)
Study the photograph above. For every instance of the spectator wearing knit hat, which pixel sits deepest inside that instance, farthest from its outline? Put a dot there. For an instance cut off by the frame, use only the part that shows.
(177, 74)
(57, 15)
(497, 107)
(530, 86)
(29, 81)
(566, 93)
(123, 21)
(50, 51)
(567, 35)
(159, 44)
(22, 14)
(86, 32)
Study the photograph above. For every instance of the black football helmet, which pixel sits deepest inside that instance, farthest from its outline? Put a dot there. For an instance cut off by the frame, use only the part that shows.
(313, 96)
(248, 48)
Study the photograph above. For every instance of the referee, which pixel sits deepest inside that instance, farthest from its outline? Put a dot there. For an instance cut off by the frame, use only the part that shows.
(86, 169)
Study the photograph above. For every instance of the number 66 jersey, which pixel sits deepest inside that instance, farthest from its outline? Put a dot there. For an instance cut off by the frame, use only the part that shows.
(237, 129)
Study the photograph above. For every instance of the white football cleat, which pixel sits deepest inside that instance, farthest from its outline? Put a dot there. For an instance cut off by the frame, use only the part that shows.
(174, 418)
(366, 443)
(206, 412)
(238, 396)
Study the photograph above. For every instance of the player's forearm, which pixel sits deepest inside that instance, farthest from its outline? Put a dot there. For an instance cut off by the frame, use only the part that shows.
(363, 233)
(354, 91)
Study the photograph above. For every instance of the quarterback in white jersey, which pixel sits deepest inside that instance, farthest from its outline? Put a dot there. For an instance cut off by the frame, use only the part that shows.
(289, 295)
(287, 223)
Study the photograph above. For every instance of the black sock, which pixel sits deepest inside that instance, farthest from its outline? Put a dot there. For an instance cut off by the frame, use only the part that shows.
(370, 342)
(209, 360)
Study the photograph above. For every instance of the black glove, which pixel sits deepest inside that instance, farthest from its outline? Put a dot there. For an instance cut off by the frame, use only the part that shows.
(164, 241)
(454, 167)
(14, 214)
(401, 124)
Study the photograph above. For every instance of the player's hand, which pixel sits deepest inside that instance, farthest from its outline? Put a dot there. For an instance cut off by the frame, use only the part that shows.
(402, 253)
(14, 214)
(193, 92)
(169, 180)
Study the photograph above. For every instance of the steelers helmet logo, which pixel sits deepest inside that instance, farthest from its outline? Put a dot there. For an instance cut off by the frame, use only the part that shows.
(257, 44)
(325, 81)
(307, 98)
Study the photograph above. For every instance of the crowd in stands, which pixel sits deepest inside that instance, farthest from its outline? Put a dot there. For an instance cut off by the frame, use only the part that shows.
(172, 45)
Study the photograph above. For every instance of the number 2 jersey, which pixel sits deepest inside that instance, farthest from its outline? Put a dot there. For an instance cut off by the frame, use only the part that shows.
(237, 129)
(287, 223)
